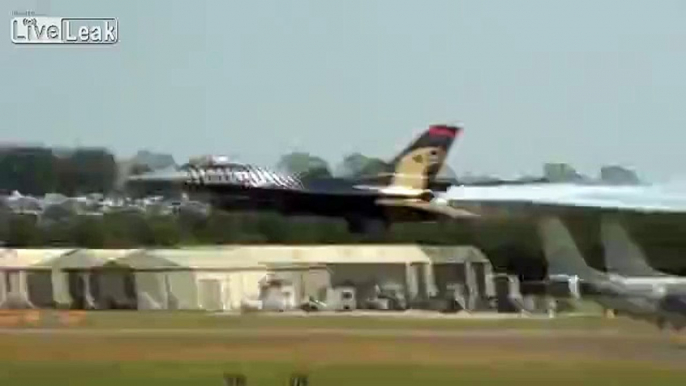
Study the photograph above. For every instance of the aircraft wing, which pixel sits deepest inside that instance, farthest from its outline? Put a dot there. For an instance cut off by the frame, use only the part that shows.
(553, 197)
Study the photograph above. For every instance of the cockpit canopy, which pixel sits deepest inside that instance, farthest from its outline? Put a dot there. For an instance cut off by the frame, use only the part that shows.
(210, 161)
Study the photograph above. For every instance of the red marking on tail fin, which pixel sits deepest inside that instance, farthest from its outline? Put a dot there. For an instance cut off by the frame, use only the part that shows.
(443, 131)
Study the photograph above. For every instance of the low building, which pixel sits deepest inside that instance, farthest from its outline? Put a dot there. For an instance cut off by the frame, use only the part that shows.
(309, 277)
(73, 276)
(26, 279)
(462, 269)
(422, 272)
(177, 279)
(133, 279)
(221, 278)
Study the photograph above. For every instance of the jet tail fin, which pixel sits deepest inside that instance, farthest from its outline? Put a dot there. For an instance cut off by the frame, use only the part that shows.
(561, 251)
(419, 163)
(623, 255)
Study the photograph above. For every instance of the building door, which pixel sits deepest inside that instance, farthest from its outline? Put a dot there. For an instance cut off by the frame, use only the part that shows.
(210, 291)
(39, 286)
(422, 285)
(14, 282)
(77, 290)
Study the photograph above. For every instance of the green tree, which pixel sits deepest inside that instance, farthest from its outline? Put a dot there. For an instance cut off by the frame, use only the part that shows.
(373, 167)
(316, 172)
(138, 169)
(561, 172)
(165, 230)
(22, 232)
(127, 229)
(95, 170)
(29, 170)
(88, 232)
(300, 162)
(446, 173)
(84, 170)
(358, 165)
(618, 175)
(152, 160)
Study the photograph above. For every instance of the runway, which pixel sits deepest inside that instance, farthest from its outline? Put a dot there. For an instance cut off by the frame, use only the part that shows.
(476, 339)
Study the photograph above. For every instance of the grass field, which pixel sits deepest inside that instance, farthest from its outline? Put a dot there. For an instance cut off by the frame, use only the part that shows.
(128, 348)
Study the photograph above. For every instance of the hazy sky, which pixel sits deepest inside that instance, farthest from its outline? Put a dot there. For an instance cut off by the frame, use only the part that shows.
(585, 82)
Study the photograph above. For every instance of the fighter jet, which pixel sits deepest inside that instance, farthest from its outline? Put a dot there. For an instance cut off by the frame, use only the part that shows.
(369, 205)
(625, 259)
(658, 301)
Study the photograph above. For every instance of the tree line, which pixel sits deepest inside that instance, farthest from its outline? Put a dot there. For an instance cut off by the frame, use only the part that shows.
(138, 230)
(36, 170)
(40, 170)
(511, 245)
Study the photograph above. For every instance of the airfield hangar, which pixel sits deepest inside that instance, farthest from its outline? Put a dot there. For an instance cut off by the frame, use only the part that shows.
(224, 278)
